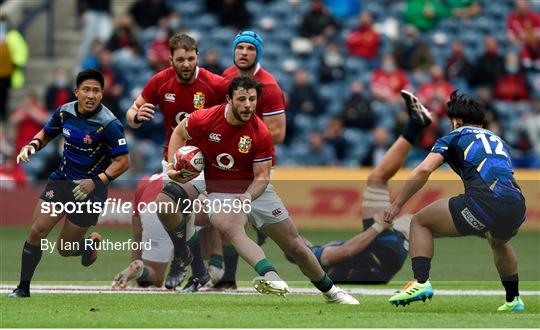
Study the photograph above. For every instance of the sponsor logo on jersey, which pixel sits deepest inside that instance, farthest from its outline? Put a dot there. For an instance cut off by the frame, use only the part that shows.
(170, 97)
(471, 219)
(49, 194)
(245, 144)
(87, 139)
(225, 161)
(66, 131)
(214, 137)
(276, 212)
(121, 141)
(198, 100)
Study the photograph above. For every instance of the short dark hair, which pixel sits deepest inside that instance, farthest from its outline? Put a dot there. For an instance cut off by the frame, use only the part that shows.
(90, 74)
(245, 83)
(182, 41)
(469, 110)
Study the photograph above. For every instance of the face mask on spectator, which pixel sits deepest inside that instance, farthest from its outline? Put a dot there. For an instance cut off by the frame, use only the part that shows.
(60, 82)
(388, 66)
(333, 59)
(174, 24)
(512, 68)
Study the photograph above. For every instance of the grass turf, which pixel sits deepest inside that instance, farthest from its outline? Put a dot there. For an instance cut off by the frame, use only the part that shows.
(255, 311)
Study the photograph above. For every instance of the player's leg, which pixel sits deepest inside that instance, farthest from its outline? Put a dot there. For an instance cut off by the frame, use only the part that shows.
(435, 220)
(216, 268)
(286, 236)
(505, 259)
(229, 258)
(199, 274)
(232, 226)
(145, 272)
(71, 242)
(42, 224)
(171, 202)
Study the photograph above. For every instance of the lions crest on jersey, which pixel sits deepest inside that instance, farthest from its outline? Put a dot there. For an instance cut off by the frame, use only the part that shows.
(198, 100)
(245, 144)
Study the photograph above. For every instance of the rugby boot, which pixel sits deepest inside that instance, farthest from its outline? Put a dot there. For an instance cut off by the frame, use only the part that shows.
(416, 110)
(19, 293)
(271, 283)
(177, 271)
(413, 291)
(515, 305)
(195, 283)
(89, 257)
(338, 296)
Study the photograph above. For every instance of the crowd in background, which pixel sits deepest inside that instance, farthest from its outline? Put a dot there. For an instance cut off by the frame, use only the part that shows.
(341, 65)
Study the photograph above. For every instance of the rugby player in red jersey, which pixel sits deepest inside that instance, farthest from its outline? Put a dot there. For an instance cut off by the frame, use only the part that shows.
(178, 90)
(239, 154)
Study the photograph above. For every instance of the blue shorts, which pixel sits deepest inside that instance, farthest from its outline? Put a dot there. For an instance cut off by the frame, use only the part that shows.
(501, 219)
(60, 191)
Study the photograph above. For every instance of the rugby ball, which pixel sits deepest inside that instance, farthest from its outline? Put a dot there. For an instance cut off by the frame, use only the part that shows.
(189, 160)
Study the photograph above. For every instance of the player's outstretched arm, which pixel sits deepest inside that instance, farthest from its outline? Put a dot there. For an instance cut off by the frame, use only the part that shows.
(335, 254)
(277, 127)
(415, 182)
(40, 140)
(139, 112)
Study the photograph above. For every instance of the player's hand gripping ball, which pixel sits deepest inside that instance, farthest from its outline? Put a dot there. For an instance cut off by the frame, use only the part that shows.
(189, 160)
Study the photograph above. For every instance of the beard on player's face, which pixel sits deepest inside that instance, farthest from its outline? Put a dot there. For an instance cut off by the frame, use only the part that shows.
(244, 56)
(242, 113)
(185, 73)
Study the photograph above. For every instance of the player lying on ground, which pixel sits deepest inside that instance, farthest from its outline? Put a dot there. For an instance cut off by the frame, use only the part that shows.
(179, 90)
(148, 266)
(95, 152)
(378, 253)
(491, 207)
(238, 169)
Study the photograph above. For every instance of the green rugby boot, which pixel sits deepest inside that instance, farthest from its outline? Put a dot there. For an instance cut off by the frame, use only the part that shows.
(515, 305)
(413, 291)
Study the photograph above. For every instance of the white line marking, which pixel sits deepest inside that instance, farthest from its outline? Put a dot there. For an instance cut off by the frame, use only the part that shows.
(245, 291)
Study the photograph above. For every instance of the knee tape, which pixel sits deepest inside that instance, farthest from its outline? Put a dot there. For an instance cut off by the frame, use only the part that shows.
(176, 193)
(376, 198)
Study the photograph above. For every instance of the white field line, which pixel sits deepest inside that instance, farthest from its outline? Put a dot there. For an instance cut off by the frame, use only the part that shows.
(246, 291)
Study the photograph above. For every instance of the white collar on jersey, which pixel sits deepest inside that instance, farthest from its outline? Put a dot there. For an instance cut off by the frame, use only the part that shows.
(196, 72)
(257, 68)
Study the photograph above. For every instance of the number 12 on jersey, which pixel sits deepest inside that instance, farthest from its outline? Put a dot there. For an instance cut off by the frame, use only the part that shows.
(487, 147)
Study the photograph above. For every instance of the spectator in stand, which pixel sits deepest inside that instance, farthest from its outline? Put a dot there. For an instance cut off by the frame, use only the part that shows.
(333, 135)
(458, 67)
(485, 97)
(124, 34)
(316, 153)
(364, 41)
(97, 24)
(211, 61)
(114, 83)
(424, 14)
(318, 24)
(523, 24)
(381, 144)
(531, 122)
(91, 59)
(233, 13)
(489, 66)
(59, 92)
(332, 66)
(435, 93)
(512, 85)
(357, 111)
(411, 52)
(343, 9)
(463, 8)
(530, 55)
(147, 13)
(523, 153)
(303, 98)
(159, 54)
(388, 81)
(13, 58)
(28, 119)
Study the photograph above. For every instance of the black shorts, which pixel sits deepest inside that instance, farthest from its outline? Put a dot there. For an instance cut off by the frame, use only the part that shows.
(60, 191)
(505, 217)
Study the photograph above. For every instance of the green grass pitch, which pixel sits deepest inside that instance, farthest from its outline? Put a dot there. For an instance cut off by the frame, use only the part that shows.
(459, 264)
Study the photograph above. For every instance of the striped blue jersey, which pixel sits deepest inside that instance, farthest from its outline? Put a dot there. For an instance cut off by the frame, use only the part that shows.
(483, 162)
(91, 141)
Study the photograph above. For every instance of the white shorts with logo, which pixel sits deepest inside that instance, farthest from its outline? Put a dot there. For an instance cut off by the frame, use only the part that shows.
(198, 182)
(161, 249)
(266, 210)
